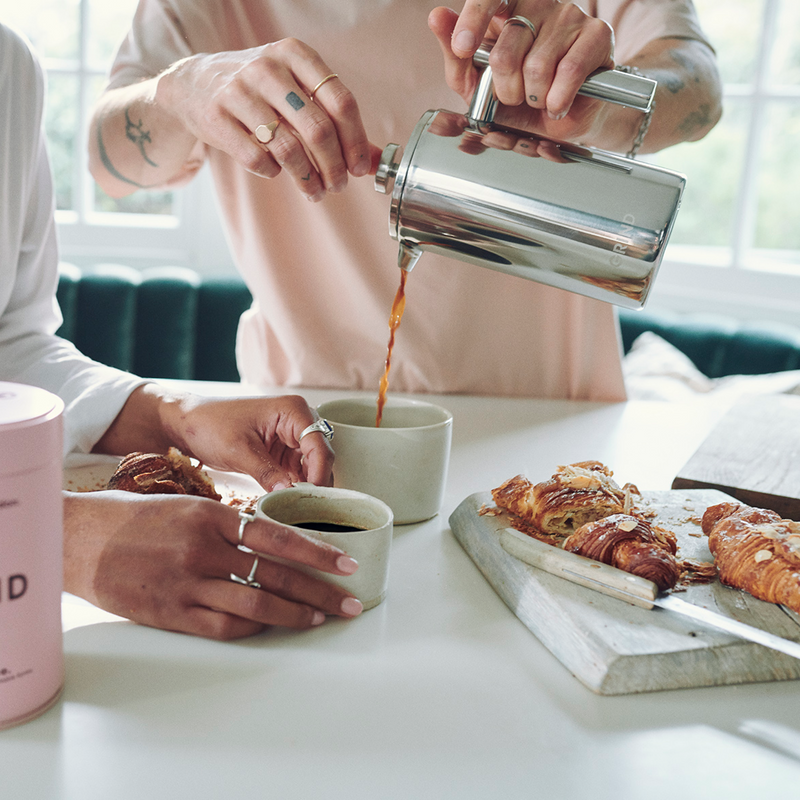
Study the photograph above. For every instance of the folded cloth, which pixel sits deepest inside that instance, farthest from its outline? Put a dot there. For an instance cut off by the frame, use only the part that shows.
(655, 370)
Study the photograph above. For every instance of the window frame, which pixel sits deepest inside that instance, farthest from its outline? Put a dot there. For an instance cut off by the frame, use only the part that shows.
(729, 280)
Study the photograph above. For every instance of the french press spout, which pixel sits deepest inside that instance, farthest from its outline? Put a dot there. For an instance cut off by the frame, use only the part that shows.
(573, 217)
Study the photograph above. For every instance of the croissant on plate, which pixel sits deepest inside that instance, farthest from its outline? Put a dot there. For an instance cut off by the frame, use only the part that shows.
(756, 550)
(630, 544)
(576, 494)
(154, 473)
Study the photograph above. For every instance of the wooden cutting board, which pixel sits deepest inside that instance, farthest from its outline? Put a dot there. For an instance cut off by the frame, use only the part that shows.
(615, 648)
(753, 454)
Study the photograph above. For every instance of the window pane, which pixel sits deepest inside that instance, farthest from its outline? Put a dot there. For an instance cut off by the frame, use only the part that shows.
(108, 23)
(785, 56)
(141, 202)
(713, 171)
(733, 28)
(779, 179)
(62, 126)
(51, 25)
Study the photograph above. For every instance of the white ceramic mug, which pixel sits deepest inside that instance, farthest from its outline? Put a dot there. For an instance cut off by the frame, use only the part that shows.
(403, 462)
(318, 511)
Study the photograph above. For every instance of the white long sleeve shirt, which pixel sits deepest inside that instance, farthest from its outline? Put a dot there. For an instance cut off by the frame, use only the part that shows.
(30, 352)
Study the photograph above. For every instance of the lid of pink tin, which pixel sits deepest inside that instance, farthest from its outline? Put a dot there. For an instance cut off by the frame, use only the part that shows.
(31, 428)
(22, 405)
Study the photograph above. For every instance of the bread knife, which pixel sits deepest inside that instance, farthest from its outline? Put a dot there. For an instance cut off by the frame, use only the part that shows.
(631, 588)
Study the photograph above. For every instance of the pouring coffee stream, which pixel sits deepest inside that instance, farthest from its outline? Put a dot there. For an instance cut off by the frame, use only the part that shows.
(584, 220)
(398, 306)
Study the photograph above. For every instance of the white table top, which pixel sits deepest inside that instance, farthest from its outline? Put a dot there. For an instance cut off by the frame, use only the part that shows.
(439, 692)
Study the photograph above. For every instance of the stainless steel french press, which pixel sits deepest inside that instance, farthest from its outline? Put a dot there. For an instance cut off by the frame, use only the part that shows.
(573, 217)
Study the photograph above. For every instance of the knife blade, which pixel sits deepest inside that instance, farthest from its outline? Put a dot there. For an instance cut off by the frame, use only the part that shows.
(631, 588)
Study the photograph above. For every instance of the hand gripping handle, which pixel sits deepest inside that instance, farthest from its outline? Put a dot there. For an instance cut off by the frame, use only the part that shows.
(611, 85)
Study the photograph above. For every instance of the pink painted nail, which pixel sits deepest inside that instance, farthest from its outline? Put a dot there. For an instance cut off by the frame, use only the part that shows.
(317, 619)
(351, 607)
(346, 564)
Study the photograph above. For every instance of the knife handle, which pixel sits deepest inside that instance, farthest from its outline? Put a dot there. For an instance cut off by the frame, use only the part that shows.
(584, 571)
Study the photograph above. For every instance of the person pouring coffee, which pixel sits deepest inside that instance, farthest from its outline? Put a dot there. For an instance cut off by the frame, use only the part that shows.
(287, 108)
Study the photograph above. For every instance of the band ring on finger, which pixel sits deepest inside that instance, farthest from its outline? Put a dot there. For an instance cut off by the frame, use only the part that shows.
(265, 133)
(320, 426)
(322, 83)
(244, 518)
(519, 21)
(250, 579)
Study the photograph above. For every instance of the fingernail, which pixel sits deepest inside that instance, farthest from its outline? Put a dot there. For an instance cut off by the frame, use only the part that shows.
(317, 619)
(280, 485)
(351, 607)
(361, 168)
(556, 117)
(464, 41)
(315, 198)
(346, 564)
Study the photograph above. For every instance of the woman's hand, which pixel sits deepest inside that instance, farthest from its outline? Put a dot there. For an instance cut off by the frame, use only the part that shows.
(257, 436)
(167, 560)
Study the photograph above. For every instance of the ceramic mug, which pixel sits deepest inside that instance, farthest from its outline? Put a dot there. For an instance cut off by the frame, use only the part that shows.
(404, 462)
(356, 523)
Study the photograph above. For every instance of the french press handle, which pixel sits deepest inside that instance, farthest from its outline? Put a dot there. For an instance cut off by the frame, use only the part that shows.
(612, 85)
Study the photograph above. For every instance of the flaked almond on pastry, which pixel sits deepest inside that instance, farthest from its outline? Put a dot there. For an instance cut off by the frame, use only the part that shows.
(576, 494)
(756, 550)
(629, 544)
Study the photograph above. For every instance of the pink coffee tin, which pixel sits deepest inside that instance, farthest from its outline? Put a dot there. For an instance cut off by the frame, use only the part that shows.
(31, 541)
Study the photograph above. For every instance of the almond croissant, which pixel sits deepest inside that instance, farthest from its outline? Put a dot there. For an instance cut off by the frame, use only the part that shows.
(153, 473)
(629, 544)
(574, 495)
(756, 550)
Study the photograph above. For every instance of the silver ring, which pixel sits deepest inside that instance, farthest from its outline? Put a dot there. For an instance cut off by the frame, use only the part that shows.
(520, 20)
(320, 426)
(245, 518)
(249, 580)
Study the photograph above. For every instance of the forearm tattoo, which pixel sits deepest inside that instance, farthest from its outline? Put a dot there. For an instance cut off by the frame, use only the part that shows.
(140, 137)
(689, 73)
(696, 120)
(106, 159)
(671, 82)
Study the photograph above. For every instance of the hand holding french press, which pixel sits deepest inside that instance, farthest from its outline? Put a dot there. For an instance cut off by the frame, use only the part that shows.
(544, 51)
